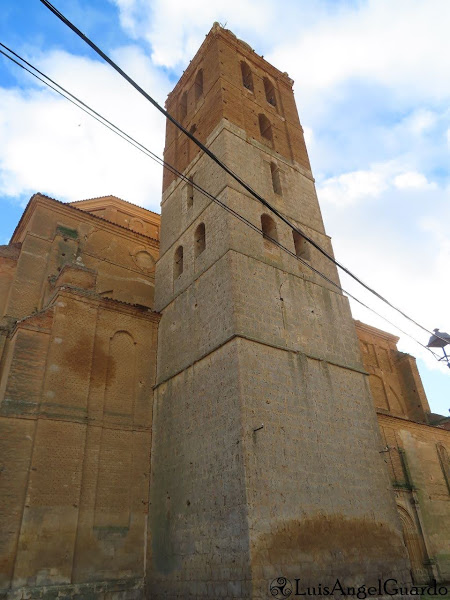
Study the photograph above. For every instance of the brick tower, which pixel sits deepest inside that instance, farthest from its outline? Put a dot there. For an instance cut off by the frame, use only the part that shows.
(266, 455)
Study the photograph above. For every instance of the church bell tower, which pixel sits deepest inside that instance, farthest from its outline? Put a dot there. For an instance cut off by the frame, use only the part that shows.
(266, 456)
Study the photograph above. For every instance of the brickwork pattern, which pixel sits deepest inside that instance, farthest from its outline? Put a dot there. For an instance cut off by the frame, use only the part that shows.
(415, 453)
(77, 369)
(224, 96)
(232, 438)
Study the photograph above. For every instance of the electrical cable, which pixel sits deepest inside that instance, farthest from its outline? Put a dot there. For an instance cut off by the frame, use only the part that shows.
(98, 117)
(236, 177)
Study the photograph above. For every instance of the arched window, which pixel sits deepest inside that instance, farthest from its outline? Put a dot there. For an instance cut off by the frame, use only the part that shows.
(190, 193)
(301, 246)
(269, 230)
(276, 183)
(183, 106)
(247, 77)
(178, 262)
(270, 92)
(265, 129)
(199, 85)
(200, 239)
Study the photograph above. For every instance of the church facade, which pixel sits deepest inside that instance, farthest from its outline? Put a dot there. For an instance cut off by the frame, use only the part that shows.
(188, 411)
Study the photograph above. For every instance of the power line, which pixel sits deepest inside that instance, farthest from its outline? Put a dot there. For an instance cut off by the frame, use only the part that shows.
(236, 177)
(115, 129)
(98, 117)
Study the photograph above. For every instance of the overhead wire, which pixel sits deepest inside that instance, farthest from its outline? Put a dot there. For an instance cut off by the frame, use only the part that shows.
(115, 129)
(228, 170)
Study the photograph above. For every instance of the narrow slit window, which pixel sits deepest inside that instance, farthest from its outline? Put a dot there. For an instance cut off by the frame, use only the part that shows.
(178, 262)
(190, 193)
(199, 85)
(301, 246)
(269, 231)
(276, 182)
(270, 92)
(265, 129)
(183, 106)
(200, 239)
(247, 76)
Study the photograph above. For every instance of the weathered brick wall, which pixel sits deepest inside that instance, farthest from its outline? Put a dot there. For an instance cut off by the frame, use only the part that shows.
(224, 97)
(416, 453)
(122, 213)
(418, 460)
(53, 235)
(77, 372)
(88, 464)
(8, 262)
(80, 494)
(394, 378)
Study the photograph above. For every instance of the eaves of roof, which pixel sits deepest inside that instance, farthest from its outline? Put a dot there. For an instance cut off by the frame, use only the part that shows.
(71, 207)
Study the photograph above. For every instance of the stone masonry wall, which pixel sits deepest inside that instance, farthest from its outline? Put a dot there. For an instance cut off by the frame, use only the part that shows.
(299, 410)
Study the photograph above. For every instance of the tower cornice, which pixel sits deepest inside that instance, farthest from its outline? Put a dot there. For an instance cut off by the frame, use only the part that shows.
(240, 46)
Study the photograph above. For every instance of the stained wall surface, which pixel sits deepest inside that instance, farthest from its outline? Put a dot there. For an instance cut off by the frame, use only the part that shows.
(204, 432)
(77, 367)
(261, 394)
(416, 451)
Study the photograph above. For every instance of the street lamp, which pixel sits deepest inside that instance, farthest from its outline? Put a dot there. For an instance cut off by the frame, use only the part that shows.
(440, 340)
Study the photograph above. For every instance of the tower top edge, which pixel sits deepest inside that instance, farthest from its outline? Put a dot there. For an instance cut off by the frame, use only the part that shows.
(217, 30)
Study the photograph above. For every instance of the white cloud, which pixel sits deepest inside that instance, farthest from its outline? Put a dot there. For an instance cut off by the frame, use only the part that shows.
(398, 243)
(401, 249)
(174, 30)
(421, 121)
(389, 268)
(358, 186)
(412, 180)
(308, 134)
(403, 45)
(349, 188)
(48, 145)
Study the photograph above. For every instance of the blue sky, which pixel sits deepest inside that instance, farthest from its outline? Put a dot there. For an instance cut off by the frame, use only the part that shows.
(372, 87)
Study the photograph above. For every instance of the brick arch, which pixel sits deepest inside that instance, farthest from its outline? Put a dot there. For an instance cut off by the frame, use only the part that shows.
(380, 397)
(119, 388)
(395, 402)
(415, 546)
(112, 511)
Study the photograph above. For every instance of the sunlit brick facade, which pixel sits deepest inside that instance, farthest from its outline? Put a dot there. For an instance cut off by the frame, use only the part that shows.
(187, 411)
